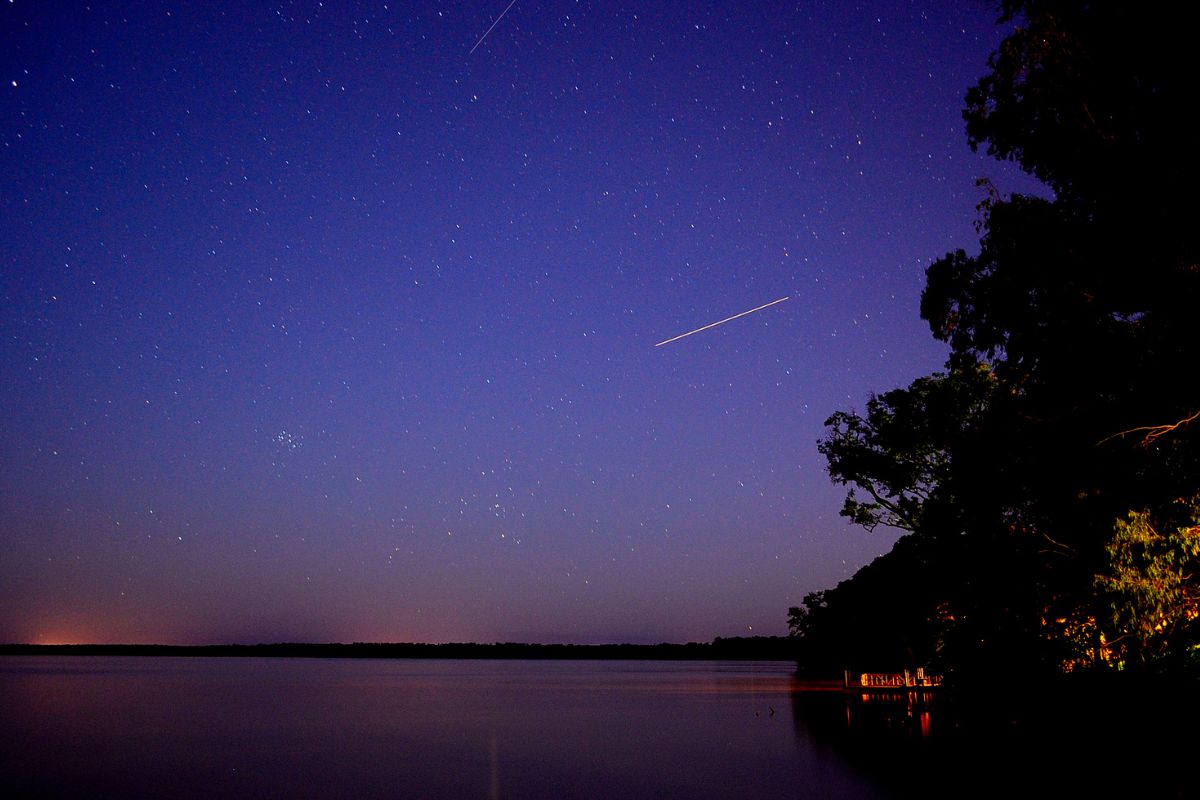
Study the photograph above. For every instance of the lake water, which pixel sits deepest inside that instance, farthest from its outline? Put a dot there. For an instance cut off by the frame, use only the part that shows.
(247, 727)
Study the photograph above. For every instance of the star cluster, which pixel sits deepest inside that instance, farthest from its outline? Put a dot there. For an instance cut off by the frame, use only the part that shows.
(318, 326)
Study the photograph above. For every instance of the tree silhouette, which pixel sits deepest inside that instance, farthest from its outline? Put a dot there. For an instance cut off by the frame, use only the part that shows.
(1043, 471)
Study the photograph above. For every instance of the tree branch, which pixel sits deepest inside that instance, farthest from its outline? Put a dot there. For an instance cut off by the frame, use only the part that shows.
(901, 520)
(1153, 432)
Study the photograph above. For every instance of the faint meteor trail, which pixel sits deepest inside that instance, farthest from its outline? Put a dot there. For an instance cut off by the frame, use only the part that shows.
(721, 322)
(494, 24)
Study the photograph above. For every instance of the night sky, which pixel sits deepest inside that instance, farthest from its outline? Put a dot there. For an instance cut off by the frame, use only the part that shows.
(318, 326)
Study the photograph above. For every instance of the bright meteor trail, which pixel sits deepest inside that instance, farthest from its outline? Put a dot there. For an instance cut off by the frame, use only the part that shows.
(494, 24)
(721, 322)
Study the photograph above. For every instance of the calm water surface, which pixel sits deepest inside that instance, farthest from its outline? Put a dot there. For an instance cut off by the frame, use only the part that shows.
(233, 727)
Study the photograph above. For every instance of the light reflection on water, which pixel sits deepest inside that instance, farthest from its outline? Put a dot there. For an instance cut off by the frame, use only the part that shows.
(242, 727)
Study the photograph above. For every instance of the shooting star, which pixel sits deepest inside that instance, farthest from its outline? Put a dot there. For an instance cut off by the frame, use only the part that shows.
(721, 322)
(494, 24)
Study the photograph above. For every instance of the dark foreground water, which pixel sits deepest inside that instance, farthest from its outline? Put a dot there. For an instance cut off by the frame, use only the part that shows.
(212, 727)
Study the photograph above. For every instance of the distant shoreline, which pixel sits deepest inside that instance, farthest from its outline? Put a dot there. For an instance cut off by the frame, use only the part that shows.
(758, 648)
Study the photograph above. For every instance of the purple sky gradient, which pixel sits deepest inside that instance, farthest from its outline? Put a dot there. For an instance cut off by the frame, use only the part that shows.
(317, 326)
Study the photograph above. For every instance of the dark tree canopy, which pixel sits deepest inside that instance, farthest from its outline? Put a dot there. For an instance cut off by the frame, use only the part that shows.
(1045, 470)
(898, 454)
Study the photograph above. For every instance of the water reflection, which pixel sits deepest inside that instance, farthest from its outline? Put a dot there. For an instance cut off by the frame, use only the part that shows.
(892, 737)
(494, 769)
(909, 711)
(159, 727)
(1102, 739)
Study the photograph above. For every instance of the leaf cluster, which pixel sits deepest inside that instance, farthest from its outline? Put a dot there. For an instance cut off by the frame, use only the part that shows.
(1151, 580)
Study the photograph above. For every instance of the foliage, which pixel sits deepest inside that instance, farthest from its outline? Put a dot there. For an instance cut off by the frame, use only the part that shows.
(1064, 402)
(895, 455)
(1151, 581)
(877, 619)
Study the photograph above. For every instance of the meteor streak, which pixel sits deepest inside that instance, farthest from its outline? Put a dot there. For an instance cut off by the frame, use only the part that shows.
(721, 322)
(494, 24)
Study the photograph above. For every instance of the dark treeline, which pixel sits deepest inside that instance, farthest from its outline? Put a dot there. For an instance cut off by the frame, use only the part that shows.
(752, 648)
(1048, 478)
